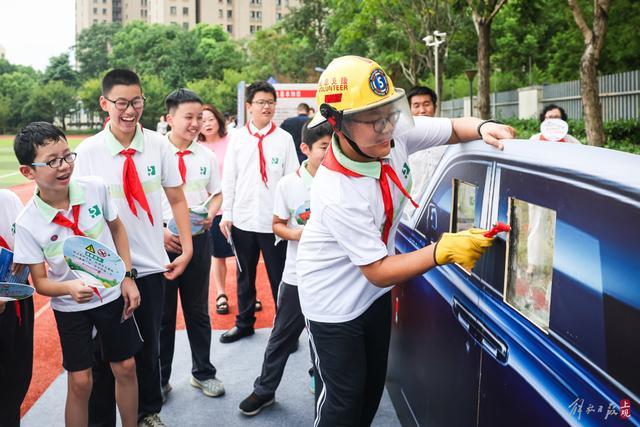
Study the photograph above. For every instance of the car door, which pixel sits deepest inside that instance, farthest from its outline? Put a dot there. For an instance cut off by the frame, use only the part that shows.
(434, 361)
(560, 298)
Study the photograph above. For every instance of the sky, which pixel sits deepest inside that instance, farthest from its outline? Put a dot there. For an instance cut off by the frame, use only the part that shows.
(32, 31)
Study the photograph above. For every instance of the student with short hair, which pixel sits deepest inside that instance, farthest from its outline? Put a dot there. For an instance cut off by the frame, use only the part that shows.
(61, 208)
(290, 214)
(16, 326)
(258, 156)
(199, 172)
(138, 166)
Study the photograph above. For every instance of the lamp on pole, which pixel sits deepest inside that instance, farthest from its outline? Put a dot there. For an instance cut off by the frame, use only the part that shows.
(471, 75)
(435, 40)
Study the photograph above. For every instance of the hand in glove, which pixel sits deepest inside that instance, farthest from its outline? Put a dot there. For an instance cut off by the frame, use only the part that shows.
(464, 247)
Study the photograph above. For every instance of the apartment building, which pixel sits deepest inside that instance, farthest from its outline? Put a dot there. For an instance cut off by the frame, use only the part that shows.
(240, 18)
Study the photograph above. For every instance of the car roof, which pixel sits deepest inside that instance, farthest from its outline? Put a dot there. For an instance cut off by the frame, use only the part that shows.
(618, 169)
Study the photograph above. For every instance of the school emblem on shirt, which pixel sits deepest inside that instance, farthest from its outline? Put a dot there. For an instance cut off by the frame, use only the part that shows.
(13, 228)
(303, 213)
(405, 170)
(94, 211)
(275, 160)
(203, 170)
(151, 170)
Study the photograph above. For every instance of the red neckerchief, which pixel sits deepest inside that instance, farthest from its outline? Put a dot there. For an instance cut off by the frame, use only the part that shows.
(542, 138)
(182, 167)
(263, 163)
(67, 223)
(132, 187)
(331, 162)
(4, 244)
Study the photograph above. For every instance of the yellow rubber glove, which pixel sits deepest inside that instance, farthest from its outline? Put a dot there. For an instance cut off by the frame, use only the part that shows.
(464, 247)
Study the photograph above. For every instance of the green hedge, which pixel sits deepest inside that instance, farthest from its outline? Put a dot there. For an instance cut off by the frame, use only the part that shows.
(623, 135)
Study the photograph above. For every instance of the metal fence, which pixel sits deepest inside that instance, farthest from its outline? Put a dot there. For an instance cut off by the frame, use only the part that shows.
(619, 95)
(452, 108)
(504, 105)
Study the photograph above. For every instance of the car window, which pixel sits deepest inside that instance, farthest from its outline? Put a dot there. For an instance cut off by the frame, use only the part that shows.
(530, 260)
(585, 270)
(466, 210)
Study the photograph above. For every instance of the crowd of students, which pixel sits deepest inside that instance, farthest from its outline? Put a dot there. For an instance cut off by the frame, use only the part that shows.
(122, 187)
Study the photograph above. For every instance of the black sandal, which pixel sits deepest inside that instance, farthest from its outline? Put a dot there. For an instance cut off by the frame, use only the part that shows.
(222, 307)
(258, 305)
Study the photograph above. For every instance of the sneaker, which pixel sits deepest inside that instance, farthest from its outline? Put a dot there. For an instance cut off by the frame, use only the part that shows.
(165, 392)
(151, 420)
(254, 404)
(312, 385)
(212, 387)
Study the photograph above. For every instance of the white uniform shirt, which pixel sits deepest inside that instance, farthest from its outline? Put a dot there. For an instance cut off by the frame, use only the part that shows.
(157, 168)
(245, 199)
(38, 239)
(292, 204)
(10, 207)
(345, 230)
(201, 179)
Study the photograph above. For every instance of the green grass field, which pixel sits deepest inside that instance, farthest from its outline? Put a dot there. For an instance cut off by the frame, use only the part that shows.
(9, 174)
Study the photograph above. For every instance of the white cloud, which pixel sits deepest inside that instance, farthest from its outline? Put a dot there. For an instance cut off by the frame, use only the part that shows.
(32, 31)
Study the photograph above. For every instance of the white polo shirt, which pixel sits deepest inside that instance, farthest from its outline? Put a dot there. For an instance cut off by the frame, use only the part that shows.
(292, 203)
(157, 168)
(38, 239)
(10, 207)
(245, 199)
(345, 230)
(201, 178)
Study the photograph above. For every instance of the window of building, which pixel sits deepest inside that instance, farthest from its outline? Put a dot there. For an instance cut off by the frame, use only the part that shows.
(278, 3)
(185, 25)
(252, 29)
(229, 1)
(230, 29)
(229, 13)
(104, 11)
(95, 10)
(104, 1)
(258, 27)
(95, 21)
(185, 11)
(530, 260)
(173, 10)
(253, 14)
(259, 14)
(220, 13)
(278, 16)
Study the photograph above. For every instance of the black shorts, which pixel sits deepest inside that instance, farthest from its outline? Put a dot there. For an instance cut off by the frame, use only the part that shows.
(221, 248)
(118, 340)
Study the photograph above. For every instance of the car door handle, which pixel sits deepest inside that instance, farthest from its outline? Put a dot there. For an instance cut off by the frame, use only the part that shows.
(495, 346)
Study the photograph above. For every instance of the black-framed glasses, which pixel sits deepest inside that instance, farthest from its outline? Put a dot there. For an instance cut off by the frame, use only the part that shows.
(57, 162)
(122, 104)
(380, 124)
(262, 102)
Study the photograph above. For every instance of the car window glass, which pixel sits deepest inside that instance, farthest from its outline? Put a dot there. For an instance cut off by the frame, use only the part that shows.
(464, 206)
(530, 260)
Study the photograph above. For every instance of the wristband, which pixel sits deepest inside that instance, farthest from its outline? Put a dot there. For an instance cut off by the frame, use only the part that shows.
(484, 122)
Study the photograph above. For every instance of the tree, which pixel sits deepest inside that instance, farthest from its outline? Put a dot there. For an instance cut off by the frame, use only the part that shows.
(155, 91)
(5, 111)
(89, 95)
(60, 70)
(17, 87)
(593, 43)
(63, 100)
(93, 47)
(483, 12)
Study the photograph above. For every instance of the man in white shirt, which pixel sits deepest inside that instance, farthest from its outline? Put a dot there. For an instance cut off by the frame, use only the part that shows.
(258, 155)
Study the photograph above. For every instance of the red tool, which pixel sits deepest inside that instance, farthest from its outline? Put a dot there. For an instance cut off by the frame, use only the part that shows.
(497, 228)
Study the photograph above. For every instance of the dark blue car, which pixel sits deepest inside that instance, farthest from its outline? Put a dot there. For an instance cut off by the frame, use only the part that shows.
(545, 330)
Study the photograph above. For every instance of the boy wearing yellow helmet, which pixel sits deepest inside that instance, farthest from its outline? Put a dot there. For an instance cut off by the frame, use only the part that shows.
(346, 262)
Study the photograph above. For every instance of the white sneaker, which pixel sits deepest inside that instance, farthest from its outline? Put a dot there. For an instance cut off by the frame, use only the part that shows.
(212, 387)
(151, 420)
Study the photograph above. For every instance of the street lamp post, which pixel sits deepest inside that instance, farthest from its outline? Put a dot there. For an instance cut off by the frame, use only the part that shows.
(435, 40)
(471, 75)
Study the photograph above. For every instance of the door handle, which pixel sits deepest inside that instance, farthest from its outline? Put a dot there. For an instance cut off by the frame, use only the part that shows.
(495, 346)
(468, 321)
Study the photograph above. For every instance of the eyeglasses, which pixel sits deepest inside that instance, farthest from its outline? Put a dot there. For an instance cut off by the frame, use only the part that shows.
(261, 103)
(57, 162)
(380, 125)
(122, 104)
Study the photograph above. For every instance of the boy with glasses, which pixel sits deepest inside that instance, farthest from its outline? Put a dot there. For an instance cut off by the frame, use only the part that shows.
(138, 165)
(258, 155)
(59, 209)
